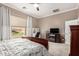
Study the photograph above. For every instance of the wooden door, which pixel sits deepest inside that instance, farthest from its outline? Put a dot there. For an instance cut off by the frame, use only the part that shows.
(74, 49)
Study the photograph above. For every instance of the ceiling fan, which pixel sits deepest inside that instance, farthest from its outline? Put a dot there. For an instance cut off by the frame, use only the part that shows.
(36, 5)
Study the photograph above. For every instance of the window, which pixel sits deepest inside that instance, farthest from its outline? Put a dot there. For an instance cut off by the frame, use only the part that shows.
(18, 31)
(18, 26)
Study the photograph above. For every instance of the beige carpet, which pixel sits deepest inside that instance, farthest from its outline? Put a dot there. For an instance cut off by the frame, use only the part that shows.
(58, 49)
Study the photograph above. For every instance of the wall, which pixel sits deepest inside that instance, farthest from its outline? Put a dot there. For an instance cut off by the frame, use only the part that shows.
(56, 21)
(78, 13)
(35, 23)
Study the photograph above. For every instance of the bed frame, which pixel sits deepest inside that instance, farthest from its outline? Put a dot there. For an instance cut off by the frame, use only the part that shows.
(42, 41)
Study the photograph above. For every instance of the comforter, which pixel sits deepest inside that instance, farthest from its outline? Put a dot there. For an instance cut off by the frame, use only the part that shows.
(21, 47)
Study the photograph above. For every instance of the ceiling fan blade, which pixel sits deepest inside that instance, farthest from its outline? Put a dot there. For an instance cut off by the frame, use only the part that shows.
(37, 8)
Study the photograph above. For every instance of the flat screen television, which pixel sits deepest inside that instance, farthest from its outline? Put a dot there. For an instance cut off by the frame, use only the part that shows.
(54, 30)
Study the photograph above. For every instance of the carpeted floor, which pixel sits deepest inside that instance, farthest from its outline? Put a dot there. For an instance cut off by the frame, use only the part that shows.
(58, 49)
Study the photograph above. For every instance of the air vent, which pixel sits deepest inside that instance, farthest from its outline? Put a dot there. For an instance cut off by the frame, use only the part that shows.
(56, 10)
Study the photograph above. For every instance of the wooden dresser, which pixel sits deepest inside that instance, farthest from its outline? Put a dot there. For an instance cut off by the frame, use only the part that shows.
(74, 48)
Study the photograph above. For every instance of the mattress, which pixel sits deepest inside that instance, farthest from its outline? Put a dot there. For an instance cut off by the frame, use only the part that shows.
(59, 49)
(21, 47)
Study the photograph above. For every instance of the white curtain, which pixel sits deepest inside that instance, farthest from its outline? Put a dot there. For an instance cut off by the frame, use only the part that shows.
(29, 26)
(4, 23)
(0, 23)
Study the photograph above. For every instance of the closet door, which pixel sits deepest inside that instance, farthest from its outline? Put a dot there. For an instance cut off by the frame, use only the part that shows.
(74, 48)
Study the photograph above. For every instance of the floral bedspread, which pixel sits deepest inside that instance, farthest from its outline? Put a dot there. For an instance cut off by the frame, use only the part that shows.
(21, 47)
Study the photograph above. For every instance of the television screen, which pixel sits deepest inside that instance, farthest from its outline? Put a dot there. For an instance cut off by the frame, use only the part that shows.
(54, 30)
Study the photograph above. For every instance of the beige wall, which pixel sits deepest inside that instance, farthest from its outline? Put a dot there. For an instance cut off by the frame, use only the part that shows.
(35, 23)
(56, 21)
(78, 13)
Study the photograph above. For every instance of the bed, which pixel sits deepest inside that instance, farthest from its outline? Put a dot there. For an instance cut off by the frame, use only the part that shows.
(22, 47)
(41, 41)
(59, 49)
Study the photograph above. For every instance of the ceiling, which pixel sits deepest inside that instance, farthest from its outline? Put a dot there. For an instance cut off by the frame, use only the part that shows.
(45, 9)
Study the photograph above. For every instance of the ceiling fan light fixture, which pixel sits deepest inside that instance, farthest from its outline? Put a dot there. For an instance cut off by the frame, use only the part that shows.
(37, 8)
(24, 7)
(36, 5)
(56, 10)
